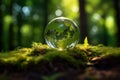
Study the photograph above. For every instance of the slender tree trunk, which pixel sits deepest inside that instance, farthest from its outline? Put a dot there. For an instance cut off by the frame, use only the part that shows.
(104, 40)
(1, 26)
(83, 20)
(11, 34)
(45, 16)
(117, 16)
(19, 23)
(45, 12)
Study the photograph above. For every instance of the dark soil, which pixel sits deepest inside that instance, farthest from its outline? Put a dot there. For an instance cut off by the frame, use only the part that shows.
(99, 69)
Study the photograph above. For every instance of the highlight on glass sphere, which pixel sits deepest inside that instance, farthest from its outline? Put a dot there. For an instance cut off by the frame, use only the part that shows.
(61, 33)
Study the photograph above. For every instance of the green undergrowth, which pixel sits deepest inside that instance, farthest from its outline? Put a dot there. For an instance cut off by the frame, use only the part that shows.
(40, 53)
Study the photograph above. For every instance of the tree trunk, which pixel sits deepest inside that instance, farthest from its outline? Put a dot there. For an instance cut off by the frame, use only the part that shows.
(11, 34)
(1, 26)
(83, 20)
(19, 23)
(45, 7)
(117, 16)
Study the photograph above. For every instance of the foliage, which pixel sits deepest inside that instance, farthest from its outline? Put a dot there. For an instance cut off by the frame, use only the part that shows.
(102, 27)
(23, 22)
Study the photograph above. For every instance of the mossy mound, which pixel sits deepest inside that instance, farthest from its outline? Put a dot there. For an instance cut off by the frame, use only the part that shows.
(41, 61)
(43, 55)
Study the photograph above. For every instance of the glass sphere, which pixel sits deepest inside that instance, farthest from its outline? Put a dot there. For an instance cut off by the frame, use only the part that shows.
(61, 33)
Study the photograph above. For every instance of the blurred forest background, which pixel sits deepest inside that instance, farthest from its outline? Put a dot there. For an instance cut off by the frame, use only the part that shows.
(23, 21)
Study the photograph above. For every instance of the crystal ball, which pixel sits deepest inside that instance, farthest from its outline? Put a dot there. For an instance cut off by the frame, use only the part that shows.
(61, 33)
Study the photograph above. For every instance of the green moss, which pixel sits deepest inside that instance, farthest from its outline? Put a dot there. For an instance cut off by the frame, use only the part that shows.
(77, 57)
(40, 53)
(104, 51)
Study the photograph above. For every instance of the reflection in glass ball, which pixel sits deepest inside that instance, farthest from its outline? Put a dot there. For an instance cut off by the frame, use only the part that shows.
(62, 33)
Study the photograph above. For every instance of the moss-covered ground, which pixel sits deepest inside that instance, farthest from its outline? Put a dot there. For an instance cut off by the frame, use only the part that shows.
(40, 62)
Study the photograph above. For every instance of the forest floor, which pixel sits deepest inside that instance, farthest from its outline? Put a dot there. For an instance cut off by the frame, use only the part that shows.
(41, 62)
